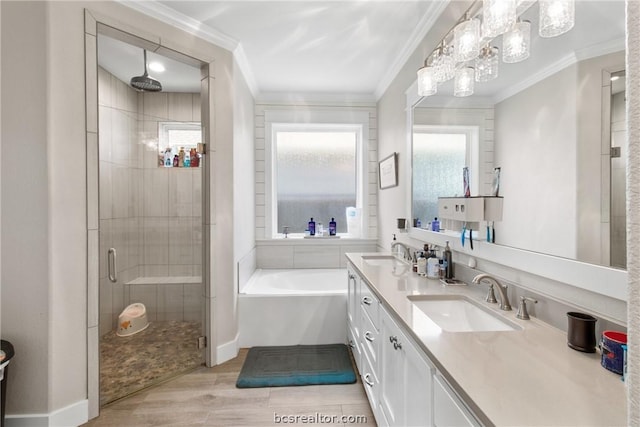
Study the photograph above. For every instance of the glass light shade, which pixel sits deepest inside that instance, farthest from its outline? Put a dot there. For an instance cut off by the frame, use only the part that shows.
(427, 84)
(497, 17)
(444, 64)
(464, 82)
(556, 17)
(466, 40)
(487, 64)
(516, 42)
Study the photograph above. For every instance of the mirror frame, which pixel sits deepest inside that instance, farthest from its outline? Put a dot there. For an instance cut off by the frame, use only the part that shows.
(579, 274)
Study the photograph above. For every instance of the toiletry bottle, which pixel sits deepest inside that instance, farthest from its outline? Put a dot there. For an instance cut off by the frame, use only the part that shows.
(332, 227)
(175, 161)
(422, 265)
(441, 270)
(181, 157)
(447, 261)
(187, 159)
(435, 225)
(433, 265)
(193, 155)
(312, 227)
(168, 160)
(418, 223)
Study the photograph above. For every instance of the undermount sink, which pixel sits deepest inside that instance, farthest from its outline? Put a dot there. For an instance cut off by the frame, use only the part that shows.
(456, 313)
(389, 260)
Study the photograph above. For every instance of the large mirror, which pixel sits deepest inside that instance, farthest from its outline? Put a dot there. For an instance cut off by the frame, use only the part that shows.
(555, 126)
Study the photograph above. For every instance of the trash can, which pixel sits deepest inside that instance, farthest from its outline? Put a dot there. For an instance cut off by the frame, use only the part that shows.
(6, 353)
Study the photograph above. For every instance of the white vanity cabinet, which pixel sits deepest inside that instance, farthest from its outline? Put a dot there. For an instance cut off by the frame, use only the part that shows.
(405, 378)
(353, 315)
(448, 408)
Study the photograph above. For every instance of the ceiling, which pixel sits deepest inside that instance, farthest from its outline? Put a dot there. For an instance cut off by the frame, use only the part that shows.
(349, 48)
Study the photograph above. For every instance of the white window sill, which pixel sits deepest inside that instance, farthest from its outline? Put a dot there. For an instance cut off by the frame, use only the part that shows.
(300, 240)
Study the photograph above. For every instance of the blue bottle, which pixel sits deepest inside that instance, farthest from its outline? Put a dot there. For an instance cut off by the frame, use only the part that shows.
(332, 227)
(435, 225)
(312, 227)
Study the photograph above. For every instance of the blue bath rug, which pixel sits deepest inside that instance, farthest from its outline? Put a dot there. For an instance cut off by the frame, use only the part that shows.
(297, 365)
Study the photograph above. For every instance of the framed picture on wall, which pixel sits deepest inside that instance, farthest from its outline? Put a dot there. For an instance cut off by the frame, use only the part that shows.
(388, 171)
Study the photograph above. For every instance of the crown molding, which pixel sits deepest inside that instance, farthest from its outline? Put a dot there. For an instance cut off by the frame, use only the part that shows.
(179, 20)
(317, 98)
(430, 16)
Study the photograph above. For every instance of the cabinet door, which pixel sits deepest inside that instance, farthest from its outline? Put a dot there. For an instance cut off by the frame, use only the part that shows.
(391, 371)
(448, 409)
(353, 301)
(417, 387)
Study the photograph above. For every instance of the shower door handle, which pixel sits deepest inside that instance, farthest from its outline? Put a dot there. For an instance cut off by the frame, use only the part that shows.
(112, 265)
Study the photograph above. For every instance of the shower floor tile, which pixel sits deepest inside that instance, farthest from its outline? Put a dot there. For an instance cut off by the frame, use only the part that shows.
(162, 351)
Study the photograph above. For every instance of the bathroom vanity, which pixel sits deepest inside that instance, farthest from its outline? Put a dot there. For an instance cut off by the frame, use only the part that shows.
(430, 354)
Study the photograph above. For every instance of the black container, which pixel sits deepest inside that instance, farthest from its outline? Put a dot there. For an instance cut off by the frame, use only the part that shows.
(581, 333)
(9, 352)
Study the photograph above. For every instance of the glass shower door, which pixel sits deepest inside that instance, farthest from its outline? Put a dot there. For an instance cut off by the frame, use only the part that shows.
(151, 290)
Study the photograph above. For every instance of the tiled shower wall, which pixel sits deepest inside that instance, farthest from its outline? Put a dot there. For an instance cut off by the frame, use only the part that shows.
(151, 215)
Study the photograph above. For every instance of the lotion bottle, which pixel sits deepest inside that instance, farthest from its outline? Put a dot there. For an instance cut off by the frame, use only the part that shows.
(332, 227)
(433, 266)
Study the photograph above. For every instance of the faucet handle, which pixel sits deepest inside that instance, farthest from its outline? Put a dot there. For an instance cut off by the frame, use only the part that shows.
(491, 295)
(522, 308)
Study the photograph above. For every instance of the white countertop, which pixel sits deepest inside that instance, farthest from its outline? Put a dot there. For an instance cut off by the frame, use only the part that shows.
(528, 377)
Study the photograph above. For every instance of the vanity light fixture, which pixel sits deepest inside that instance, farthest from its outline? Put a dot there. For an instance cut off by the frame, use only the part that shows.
(464, 42)
(556, 17)
(463, 84)
(427, 84)
(498, 16)
(444, 64)
(466, 39)
(516, 42)
(487, 64)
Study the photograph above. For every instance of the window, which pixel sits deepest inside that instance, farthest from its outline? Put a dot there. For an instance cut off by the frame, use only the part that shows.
(314, 170)
(316, 177)
(439, 155)
(177, 135)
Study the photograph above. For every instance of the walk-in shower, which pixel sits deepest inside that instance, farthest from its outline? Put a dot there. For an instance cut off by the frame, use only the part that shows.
(150, 220)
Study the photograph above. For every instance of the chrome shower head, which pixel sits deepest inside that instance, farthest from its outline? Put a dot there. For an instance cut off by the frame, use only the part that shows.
(145, 82)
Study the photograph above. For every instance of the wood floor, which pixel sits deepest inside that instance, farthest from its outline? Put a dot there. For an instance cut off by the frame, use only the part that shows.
(209, 397)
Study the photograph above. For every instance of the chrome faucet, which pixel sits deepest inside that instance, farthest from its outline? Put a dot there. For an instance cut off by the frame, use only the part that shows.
(406, 251)
(504, 301)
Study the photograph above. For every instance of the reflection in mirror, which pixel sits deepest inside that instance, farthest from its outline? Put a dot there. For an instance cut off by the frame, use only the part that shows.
(618, 211)
(545, 122)
(439, 154)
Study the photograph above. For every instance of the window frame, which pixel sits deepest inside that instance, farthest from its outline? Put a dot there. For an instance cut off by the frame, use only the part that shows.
(280, 121)
(165, 126)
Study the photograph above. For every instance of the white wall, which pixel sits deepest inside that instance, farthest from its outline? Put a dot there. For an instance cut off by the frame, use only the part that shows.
(25, 208)
(539, 202)
(243, 179)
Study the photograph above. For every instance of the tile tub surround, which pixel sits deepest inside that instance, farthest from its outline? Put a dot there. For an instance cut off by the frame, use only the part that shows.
(535, 378)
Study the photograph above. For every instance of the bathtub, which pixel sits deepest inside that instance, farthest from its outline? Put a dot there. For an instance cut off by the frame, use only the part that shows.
(289, 307)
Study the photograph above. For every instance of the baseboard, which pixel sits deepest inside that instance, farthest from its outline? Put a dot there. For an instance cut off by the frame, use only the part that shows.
(227, 351)
(73, 415)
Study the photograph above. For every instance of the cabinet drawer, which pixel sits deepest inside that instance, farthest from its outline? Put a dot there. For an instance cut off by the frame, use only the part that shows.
(370, 304)
(448, 408)
(370, 339)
